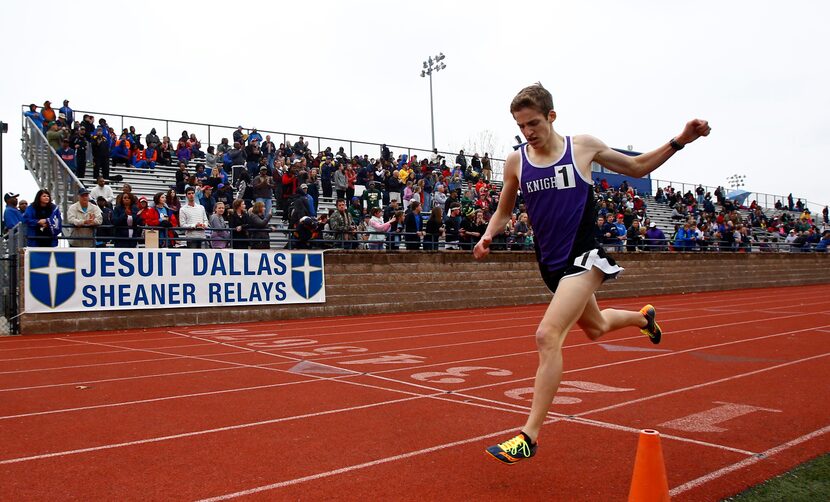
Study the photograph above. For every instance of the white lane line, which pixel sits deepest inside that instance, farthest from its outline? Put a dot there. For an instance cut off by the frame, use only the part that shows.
(747, 462)
(411, 396)
(517, 408)
(637, 359)
(246, 349)
(109, 364)
(535, 317)
(355, 467)
(79, 354)
(205, 431)
(680, 303)
(701, 299)
(154, 400)
(375, 374)
(121, 379)
(698, 386)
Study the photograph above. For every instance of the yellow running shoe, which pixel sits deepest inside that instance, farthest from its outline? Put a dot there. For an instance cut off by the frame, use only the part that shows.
(513, 450)
(652, 329)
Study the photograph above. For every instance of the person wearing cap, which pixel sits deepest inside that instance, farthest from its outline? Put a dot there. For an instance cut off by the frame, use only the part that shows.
(553, 173)
(55, 135)
(67, 112)
(468, 232)
(621, 231)
(67, 154)
(206, 197)
(264, 189)
(11, 214)
(83, 217)
(193, 217)
(35, 116)
(655, 238)
(48, 113)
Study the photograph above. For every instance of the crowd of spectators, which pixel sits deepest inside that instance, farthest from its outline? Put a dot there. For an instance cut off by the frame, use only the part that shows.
(404, 200)
(700, 225)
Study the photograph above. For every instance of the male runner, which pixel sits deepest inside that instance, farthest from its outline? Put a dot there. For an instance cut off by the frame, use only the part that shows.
(554, 174)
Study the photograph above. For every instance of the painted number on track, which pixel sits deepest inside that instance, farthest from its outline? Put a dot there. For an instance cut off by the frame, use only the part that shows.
(566, 386)
(396, 359)
(457, 374)
(329, 351)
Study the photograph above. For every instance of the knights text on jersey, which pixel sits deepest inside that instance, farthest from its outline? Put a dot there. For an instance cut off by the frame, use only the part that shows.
(560, 205)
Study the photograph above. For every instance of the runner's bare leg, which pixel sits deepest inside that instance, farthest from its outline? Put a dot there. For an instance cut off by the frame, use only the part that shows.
(573, 301)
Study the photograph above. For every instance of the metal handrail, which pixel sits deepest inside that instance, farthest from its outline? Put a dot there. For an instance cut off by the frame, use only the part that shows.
(49, 170)
(396, 240)
(764, 199)
(496, 163)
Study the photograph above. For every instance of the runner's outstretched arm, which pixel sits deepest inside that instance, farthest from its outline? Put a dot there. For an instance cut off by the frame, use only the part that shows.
(642, 164)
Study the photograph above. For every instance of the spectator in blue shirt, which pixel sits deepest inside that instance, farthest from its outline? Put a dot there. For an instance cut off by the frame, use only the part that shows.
(11, 215)
(68, 113)
(36, 117)
(622, 232)
(255, 135)
(67, 153)
(821, 247)
(684, 239)
(611, 234)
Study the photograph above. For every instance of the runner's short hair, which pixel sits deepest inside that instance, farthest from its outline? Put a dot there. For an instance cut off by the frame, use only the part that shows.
(535, 97)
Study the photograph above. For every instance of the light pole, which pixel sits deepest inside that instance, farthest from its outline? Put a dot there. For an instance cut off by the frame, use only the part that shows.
(4, 128)
(433, 64)
(736, 181)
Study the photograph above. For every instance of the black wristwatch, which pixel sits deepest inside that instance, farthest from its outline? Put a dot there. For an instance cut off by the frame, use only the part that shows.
(674, 144)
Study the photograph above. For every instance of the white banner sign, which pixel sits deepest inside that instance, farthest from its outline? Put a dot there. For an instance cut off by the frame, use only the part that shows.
(72, 280)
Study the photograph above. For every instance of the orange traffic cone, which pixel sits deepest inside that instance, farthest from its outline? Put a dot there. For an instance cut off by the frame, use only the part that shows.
(649, 483)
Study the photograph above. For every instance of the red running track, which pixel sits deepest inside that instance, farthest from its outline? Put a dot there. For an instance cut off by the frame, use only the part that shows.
(401, 406)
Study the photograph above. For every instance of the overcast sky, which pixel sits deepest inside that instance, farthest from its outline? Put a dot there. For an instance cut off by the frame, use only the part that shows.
(630, 73)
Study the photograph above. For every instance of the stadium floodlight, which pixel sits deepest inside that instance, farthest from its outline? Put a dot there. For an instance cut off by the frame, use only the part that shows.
(432, 64)
(736, 181)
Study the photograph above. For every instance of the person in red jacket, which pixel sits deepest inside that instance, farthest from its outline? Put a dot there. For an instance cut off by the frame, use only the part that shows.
(289, 186)
(161, 216)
